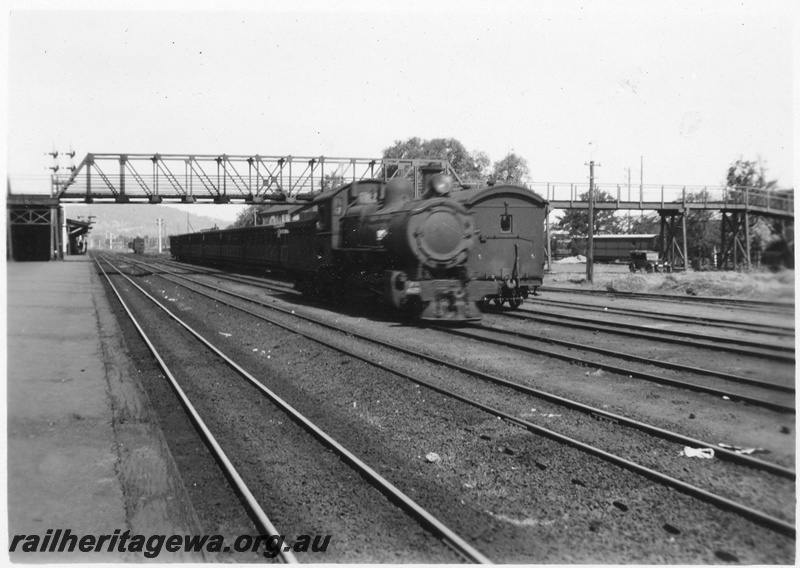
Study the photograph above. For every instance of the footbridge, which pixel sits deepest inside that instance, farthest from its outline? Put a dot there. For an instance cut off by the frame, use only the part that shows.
(184, 178)
(736, 205)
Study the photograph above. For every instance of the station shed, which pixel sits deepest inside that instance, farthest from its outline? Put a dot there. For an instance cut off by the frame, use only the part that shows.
(278, 215)
(33, 228)
(77, 231)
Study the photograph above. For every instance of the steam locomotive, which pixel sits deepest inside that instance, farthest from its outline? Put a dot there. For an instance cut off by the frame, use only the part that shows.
(364, 236)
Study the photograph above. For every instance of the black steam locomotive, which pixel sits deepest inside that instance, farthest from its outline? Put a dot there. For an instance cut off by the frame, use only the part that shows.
(360, 237)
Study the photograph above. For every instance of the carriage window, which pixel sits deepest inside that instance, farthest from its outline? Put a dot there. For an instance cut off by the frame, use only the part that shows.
(506, 223)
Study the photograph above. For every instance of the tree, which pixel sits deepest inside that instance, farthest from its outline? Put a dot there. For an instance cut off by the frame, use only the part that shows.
(746, 173)
(246, 218)
(576, 221)
(511, 169)
(480, 165)
(702, 228)
(746, 180)
(330, 181)
(468, 166)
(410, 149)
(644, 224)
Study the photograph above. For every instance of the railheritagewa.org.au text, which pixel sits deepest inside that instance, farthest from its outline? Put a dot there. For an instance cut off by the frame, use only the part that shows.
(63, 540)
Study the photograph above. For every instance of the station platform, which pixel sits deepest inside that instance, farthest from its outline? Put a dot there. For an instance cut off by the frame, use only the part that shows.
(84, 451)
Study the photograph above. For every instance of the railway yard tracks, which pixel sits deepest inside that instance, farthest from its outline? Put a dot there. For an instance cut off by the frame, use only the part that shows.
(750, 305)
(783, 351)
(778, 330)
(263, 524)
(588, 468)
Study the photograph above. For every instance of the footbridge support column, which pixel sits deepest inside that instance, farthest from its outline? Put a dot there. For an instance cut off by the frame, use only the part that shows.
(735, 240)
(674, 246)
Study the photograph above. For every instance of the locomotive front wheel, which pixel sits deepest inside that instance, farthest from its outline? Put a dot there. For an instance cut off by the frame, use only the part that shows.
(515, 303)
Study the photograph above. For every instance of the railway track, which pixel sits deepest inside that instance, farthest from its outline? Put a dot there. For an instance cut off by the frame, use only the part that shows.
(778, 403)
(616, 353)
(773, 352)
(263, 523)
(284, 287)
(774, 404)
(757, 305)
(258, 281)
(746, 347)
(784, 331)
(748, 512)
(387, 489)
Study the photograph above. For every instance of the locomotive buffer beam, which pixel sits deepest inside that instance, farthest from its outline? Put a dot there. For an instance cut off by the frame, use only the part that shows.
(435, 300)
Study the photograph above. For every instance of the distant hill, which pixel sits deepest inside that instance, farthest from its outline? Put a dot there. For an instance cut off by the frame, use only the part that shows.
(130, 221)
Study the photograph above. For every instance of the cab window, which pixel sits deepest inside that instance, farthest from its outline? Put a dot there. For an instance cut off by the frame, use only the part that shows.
(506, 223)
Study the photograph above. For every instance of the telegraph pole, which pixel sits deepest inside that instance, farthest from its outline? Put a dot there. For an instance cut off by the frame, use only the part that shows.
(629, 200)
(159, 220)
(641, 186)
(590, 240)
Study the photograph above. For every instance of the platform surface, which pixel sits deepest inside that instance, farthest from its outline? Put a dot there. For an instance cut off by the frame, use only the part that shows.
(71, 463)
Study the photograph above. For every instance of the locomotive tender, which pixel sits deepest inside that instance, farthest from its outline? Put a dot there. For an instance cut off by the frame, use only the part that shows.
(363, 236)
(506, 263)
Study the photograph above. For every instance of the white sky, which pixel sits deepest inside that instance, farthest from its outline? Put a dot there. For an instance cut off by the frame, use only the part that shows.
(690, 86)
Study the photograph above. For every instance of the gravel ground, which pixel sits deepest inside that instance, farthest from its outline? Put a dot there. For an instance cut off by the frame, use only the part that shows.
(515, 496)
(707, 333)
(540, 341)
(304, 488)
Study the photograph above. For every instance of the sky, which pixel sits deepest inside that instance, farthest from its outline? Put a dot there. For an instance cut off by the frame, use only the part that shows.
(686, 88)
